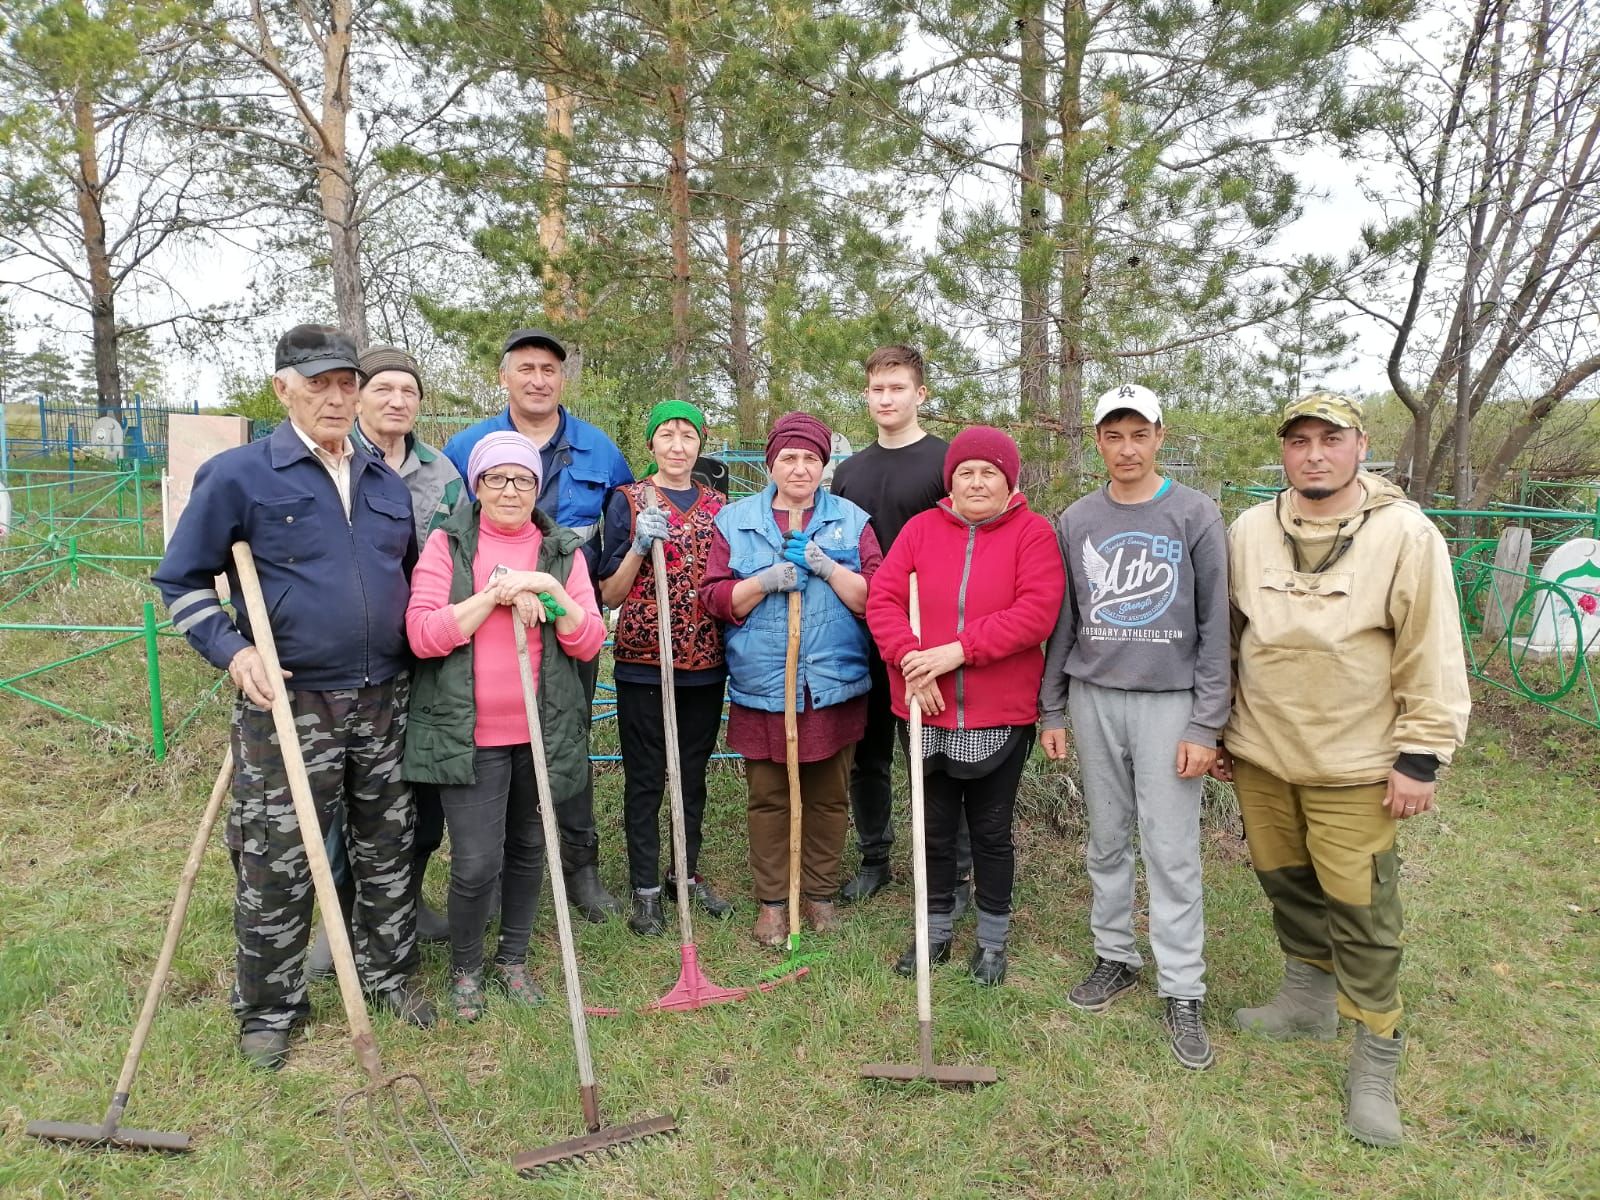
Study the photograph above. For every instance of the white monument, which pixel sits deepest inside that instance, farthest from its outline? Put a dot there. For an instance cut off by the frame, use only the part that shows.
(1574, 568)
(105, 438)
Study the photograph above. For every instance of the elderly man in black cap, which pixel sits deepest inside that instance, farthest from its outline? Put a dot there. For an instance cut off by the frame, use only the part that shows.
(330, 528)
(581, 467)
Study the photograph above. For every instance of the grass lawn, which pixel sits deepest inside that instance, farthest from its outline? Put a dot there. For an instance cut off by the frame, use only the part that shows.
(1500, 1090)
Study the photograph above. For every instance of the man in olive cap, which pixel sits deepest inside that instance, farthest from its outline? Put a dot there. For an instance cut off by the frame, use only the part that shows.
(330, 529)
(1350, 693)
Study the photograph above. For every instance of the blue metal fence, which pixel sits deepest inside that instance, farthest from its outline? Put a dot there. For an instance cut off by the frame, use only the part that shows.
(66, 429)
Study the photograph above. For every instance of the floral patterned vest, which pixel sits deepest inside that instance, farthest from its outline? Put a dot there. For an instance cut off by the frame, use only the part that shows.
(696, 636)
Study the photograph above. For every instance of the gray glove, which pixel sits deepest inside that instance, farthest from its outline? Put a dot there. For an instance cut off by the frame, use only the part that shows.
(818, 562)
(651, 526)
(782, 577)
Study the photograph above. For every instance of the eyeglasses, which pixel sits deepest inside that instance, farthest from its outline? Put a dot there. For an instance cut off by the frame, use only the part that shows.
(499, 482)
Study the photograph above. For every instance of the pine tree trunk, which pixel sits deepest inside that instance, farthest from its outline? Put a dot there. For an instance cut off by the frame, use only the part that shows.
(102, 297)
(1034, 250)
(1074, 239)
(335, 185)
(559, 107)
(678, 199)
(740, 366)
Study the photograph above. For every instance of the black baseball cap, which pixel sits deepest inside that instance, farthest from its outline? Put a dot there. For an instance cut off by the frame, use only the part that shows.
(314, 349)
(535, 337)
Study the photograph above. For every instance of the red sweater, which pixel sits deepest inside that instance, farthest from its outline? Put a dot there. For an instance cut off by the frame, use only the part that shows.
(995, 587)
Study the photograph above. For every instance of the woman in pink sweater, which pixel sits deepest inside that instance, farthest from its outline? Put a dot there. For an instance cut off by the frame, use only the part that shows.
(477, 748)
(990, 584)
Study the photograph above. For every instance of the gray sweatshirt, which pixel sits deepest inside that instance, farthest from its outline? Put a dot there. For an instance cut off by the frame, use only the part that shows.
(1147, 604)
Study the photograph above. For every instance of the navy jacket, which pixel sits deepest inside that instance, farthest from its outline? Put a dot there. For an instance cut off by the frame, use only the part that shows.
(335, 589)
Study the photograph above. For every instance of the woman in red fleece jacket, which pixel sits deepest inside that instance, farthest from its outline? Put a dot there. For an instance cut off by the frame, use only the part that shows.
(990, 585)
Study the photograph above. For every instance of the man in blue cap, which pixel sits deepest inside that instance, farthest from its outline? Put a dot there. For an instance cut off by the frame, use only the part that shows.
(581, 467)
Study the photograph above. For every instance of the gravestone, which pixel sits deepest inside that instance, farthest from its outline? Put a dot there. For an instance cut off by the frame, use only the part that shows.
(5, 509)
(1511, 558)
(191, 439)
(105, 438)
(1574, 568)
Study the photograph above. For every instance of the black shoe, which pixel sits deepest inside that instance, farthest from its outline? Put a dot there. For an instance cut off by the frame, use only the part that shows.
(265, 1049)
(432, 927)
(988, 966)
(645, 917)
(963, 897)
(713, 905)
(938, 952)
(1102, 985)
(319, 959)
(588, 895)
(1190, 1045)
(868, 882)
(408, 1002)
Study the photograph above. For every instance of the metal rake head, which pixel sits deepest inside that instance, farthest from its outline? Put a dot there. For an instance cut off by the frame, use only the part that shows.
(600, 1142)
(386, 1115)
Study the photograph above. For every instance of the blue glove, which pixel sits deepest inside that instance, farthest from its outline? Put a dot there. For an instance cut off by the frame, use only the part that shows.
(803, 552)
(651, 526)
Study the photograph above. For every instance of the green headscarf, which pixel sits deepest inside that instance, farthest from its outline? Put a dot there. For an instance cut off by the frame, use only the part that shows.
(674, 410)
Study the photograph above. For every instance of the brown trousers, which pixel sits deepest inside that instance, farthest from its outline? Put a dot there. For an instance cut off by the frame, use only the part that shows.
(824, 820)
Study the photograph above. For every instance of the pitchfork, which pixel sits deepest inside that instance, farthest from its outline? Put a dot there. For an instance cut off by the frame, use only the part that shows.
(381, 1091)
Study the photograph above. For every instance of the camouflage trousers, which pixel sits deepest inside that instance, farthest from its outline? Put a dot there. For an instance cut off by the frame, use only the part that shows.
(1326, 859)
(351, 740)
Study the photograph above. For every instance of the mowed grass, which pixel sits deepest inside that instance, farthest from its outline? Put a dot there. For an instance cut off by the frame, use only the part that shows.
(1500, 1090)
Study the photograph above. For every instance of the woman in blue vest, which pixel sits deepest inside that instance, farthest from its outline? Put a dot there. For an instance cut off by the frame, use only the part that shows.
(827, 552)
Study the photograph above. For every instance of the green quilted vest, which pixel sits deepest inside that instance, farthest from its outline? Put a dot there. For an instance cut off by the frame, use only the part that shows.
(439, 731)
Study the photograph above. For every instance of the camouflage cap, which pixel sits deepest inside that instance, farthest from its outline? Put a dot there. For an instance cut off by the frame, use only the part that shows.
(1331, 407)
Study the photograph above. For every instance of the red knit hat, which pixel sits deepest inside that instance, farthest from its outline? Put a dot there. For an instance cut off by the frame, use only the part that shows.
(987, 444)
(802, 430)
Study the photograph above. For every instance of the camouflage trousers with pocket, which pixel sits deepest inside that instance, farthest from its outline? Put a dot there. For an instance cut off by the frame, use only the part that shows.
(351, 740)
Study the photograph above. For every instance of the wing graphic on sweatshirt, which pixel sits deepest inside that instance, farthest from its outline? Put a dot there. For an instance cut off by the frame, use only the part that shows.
(1097, 569)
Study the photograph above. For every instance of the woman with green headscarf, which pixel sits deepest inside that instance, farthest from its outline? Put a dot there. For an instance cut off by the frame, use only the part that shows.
(668, 506)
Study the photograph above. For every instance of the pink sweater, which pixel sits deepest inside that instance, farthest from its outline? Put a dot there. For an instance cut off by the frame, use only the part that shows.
(496, 684)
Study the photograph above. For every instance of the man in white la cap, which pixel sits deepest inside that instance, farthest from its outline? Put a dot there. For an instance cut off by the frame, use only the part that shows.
(1139, 661)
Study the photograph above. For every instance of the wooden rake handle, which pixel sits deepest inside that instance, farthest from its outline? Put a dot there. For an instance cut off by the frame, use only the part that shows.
(919, 849)
(558, 881)
(305, 811)
(669, 728)
(791, 742)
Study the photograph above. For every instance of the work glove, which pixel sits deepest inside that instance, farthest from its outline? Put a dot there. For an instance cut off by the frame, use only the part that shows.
(782, 577)
(803, 552)
(651, 526)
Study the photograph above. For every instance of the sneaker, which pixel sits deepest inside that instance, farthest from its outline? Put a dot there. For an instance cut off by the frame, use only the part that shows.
(868, 882)
(938, 952)
(1190, 1045)
(410, 1003)
(1104, 984)
(467, 1000)
(514, 980)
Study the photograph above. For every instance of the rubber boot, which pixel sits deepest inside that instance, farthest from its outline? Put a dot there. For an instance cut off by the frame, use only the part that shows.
(1371, 1114)
(1305, 1006)
(588, 895)
(431, 924)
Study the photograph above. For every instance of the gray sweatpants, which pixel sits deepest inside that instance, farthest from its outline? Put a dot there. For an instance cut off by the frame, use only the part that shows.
(1127, 750)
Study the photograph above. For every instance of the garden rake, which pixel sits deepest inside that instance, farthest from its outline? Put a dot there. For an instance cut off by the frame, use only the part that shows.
(600, 1136)
(693, 989)
(381, 1092)
(925, 1069)
(110, 1131)
(796, 962)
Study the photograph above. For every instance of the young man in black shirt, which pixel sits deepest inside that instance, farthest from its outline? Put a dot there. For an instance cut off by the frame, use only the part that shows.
(893, 479)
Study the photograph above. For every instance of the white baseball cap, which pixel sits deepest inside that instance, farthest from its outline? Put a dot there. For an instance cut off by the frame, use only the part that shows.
(1132, 396)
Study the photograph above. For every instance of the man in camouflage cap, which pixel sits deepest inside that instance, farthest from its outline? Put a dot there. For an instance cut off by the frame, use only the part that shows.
(1350, 693)
(330, 529)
